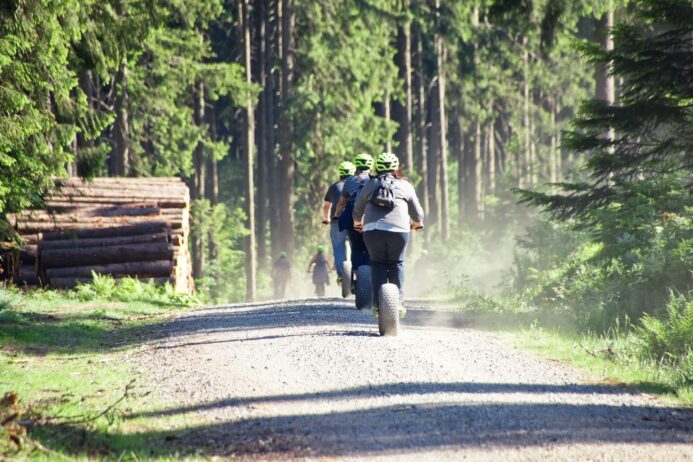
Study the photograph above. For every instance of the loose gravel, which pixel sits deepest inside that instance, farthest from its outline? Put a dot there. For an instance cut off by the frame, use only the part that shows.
(313, 380)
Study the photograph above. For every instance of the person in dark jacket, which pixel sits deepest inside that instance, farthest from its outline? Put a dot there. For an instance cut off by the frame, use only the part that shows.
(281, 274)
(352, 187)
(386, 228)
(321, 271)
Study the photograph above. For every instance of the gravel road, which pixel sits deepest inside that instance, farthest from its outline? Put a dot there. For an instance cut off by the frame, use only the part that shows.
(312, 380)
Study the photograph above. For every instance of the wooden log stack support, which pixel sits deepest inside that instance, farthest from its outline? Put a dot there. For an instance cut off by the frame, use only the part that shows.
(136, 227)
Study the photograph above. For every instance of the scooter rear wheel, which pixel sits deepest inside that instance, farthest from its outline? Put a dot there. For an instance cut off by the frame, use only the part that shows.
(346, 279)
(388, 310)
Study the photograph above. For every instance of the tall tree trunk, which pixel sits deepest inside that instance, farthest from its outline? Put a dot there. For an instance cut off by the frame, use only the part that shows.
(442, 131)
(286, 165)
(212, 194)
(432, 168)
(476, 181)
(199, 180)
(553, 144)
(604, 83)
(249, 120)
(460, 147)
(490, 166)
(403, 110)
(263, 155)
(272, 46)
(120, 156)
(387, 115)
(526, 164)
(421, 145)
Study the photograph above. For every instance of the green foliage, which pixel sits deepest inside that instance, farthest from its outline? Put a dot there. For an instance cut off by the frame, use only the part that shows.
(222, 232)
(671, 338)
(126, 290)
(35, 40)
(633, 200)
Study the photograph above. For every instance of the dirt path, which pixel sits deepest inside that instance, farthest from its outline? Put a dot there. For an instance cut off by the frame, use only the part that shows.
(311, 379)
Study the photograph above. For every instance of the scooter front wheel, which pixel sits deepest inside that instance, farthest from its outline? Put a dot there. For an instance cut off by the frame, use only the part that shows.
(388, 310)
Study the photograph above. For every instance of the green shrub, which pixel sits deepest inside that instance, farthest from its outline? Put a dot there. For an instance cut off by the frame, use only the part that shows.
(104, 287)
(671, 337)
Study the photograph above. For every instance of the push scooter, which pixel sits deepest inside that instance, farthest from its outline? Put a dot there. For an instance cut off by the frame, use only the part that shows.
(390, 308)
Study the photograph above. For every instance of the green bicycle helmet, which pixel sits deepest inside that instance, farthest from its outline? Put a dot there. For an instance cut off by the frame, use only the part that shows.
(386, 162)
(363, 161)
(321, 248)
(346, 168)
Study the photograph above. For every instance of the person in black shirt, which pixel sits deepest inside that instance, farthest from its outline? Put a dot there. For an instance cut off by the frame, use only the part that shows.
(338, 238)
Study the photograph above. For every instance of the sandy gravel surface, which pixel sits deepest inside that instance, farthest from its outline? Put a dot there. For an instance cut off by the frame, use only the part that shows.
(312, 380)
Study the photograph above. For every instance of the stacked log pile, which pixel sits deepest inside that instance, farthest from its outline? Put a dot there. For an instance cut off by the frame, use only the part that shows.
(136, 227)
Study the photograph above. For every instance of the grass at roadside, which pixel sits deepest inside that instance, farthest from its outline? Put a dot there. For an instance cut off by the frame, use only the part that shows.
(609, 358)
(63, 368)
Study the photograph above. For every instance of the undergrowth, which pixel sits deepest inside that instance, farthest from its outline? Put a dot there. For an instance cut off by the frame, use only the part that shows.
(65, 386)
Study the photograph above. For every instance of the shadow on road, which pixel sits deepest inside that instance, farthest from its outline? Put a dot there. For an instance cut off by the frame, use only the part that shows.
(396, 389)
(417, 427)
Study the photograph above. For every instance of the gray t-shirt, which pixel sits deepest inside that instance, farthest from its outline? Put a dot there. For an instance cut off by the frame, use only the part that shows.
(407, 207)
(333, 193)
(353, 184)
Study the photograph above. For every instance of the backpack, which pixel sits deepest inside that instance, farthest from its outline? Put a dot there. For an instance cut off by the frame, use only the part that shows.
(384, 195)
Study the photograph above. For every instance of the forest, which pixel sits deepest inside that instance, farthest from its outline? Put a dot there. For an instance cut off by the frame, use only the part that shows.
(549, 140)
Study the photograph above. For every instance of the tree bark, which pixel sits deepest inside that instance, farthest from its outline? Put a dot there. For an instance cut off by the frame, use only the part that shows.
(61, 258)
(251, 263)
(421, 145)
(103, 242)
(442, 132)
(262, 139)
(490, 166)
(432, 160)
(71, 282)
(604, 83)
(457, 139)
(120, 157)
(153, 227)
(476, 173)
(272, 46)
(403, 110)
(525, 167)
(286, 164)
(155, 268)
(199, 180)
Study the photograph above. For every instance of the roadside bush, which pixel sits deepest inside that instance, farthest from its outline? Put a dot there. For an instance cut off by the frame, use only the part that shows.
(597, 284)
(671, 337)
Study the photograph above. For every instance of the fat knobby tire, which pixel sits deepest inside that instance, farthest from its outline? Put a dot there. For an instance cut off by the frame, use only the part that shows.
(346, 279)
(364, 288)
(388, 310)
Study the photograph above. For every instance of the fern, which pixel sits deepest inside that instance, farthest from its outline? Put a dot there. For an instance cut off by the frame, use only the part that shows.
(670, 338)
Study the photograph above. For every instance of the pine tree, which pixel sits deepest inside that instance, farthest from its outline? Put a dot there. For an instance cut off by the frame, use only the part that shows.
(643, 177)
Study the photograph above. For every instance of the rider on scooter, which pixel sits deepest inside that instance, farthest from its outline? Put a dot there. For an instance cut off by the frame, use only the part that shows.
(352, 187)
(385, 211)
(337, 236)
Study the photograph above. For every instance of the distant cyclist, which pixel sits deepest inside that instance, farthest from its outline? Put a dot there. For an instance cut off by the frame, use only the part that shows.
(321, 271)
(386, 210)
(337, 236)
(281, 274)
(352, 187)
